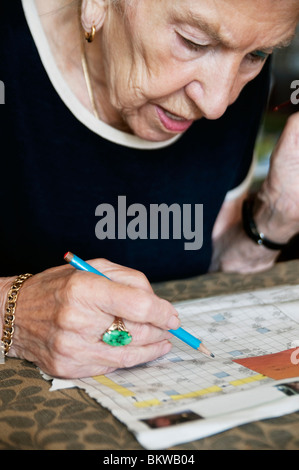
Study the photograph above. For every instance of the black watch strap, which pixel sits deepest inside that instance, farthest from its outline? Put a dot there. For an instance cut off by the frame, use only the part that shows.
(251, 229)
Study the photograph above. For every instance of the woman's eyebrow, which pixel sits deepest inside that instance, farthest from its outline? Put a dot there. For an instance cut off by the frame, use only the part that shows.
(212, 30)
(201, 23)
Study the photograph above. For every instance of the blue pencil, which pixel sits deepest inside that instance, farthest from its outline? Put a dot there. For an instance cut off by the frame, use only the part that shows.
(180, 333)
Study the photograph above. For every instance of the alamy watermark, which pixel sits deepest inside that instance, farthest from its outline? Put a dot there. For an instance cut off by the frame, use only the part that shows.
(295, 94)
(2, 93)
(159, 221)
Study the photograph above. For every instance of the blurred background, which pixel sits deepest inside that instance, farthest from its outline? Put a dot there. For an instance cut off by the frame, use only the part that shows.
(285, 69)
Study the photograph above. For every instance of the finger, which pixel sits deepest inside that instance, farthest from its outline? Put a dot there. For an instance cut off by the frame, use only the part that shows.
(122, 274)
(145, 333)
(139, 306)
(126, 357)
(76, 360)
(92, 326)
(98, 294)
(141, 334)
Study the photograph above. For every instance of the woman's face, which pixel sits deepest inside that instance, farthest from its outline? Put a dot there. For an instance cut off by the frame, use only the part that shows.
(170, 62)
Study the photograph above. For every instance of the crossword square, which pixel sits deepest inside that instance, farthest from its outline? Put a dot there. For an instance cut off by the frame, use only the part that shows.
(219, 317)
(220, 375)
(262, 330)
(235, 353)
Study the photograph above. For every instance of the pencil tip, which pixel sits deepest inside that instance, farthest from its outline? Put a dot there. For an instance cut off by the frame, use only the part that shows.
(205, 351)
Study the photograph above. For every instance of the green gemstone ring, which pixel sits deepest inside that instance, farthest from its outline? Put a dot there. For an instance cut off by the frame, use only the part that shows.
(117, 334)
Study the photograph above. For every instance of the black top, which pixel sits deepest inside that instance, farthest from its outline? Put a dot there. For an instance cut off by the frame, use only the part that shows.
(55, 172)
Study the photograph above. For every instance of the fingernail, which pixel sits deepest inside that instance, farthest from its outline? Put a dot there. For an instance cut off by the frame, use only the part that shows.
(173, 323)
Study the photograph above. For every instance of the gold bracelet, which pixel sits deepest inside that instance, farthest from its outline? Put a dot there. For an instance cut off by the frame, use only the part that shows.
(10, 308)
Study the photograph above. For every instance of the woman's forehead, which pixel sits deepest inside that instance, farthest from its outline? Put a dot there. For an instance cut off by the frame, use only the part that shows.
(250, 10)
(235, 23)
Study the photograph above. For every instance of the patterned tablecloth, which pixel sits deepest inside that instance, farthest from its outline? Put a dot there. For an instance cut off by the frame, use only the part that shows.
(33, 418)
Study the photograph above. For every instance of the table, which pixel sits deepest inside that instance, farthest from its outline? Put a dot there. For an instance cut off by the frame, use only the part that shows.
(33, 418)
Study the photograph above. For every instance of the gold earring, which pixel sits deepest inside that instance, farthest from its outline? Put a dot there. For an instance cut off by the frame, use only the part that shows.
(90, 36)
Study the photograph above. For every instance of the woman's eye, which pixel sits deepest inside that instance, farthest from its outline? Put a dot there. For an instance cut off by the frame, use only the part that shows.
(258, 56)
(193, 46)
(254, 57)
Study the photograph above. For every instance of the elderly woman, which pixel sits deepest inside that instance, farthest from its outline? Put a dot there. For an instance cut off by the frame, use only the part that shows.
(120, 117)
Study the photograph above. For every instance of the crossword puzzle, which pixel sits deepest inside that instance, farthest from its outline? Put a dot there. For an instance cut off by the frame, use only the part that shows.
(232, 327)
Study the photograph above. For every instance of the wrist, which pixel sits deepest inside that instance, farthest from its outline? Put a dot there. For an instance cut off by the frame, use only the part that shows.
(5, 284)
(241, 254)
(275, 216)
(253, 231)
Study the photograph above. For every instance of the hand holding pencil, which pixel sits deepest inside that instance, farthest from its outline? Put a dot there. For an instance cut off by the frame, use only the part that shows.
(118, 328)
(62, 314)
(65, 318)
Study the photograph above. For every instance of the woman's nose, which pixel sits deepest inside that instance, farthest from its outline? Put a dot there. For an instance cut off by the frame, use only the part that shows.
(215, 89)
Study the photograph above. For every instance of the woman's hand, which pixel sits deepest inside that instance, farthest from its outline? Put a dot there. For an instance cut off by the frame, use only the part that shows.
(62, 314)
(276, 212)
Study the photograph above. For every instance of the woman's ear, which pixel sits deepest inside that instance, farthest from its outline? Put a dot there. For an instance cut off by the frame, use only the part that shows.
(93, 13)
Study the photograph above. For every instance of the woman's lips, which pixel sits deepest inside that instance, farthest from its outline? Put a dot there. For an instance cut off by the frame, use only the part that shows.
(172, 122)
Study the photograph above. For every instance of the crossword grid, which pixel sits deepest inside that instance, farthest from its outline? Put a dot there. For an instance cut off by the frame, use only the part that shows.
(203, 391)
(186, 374)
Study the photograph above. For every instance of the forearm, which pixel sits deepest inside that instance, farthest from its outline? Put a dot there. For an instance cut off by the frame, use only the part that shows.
(235, 251)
